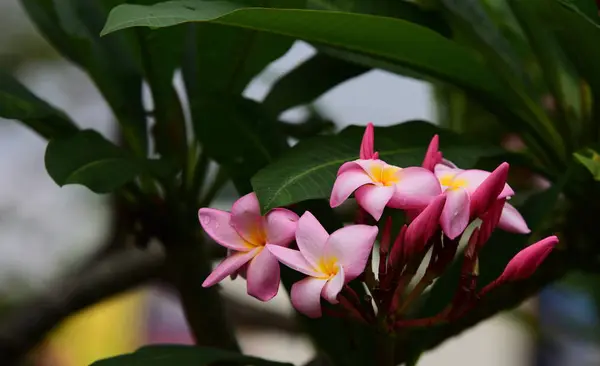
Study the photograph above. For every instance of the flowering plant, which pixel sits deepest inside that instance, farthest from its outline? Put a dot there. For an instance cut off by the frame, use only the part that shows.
(439, 201)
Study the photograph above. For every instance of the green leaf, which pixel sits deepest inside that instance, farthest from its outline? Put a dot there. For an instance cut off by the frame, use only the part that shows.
(309, 169)
(72, 27)
(309, 81)
(396, 40)
(590, 163)
(240, 136)
(169, 355)
(87, 158)
(588, 9)
(17, 102)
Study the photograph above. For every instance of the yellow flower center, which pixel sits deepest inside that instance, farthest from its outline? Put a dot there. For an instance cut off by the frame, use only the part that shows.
(257, 237)
(387, 175)
(328, 267)
(451, 183)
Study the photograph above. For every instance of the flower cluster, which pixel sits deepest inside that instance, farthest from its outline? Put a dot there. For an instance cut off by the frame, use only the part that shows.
(440, 201)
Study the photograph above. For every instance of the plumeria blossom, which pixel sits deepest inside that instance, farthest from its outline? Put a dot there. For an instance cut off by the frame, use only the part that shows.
(245, 233)
(452, 179)
(377, 184)
(329, 261)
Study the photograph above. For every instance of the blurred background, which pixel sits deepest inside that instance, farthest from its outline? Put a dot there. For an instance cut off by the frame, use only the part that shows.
(46, 231)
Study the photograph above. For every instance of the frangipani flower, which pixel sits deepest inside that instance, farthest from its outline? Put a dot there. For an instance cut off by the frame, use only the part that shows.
(246, 233)
(378, 184)
(330, 261)
(452, 178)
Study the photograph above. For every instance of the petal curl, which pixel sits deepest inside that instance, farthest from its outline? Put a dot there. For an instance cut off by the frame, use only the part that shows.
(216, 224)
(229, 266)
(263, 276)
(306, 296)
(334, 286)
(373, 199)
(345, 184)
(280, 226)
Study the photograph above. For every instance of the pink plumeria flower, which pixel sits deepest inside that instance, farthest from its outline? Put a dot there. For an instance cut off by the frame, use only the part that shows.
(377, 184)
(330, 261)
(246, 233)
(456, 182)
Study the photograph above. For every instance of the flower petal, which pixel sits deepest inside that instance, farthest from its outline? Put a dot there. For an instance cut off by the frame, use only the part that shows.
(367, 146)
(263, 276)
(455, 215)
(334, 286)
(247, 220)
(474, 177)
(306, 296)
(229, 266)
(433, 155)
(525, 263)
(512, 221)
(416, 188)
(293, 259)
(311, 238)
(216, 224)
(373, 199)
(351, 246)
(280, 225)
(348, 166)
(345, 184)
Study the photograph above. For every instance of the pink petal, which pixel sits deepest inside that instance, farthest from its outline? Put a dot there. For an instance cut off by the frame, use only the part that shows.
(263, 276)
(473, 179)
(416, 188)
(334, 286)
(489, 191)
(525, 263)
(311, 238)
(293, 259)
(368, 143)
(512, 221)
(216, 224)
(432, 156)
(351, 247)
(306, 296)
(229, 266)
(348, 166)
(442, 170)
(424, 226)
(280, 225)
(246, 218)
(455, 215)
(345, 184)
(373, 199)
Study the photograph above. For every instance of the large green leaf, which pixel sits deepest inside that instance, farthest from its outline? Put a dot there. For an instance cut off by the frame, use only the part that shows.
(16, 102)
(87, 158)
(170, 355)
(308, 81)
(392, 39)
(308, 170)
(72, 27)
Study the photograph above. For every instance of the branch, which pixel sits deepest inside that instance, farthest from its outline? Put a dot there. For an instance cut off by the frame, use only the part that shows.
(503, 298)
(24, 327)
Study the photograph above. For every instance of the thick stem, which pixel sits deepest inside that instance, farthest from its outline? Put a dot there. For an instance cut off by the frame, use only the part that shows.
(187, 267)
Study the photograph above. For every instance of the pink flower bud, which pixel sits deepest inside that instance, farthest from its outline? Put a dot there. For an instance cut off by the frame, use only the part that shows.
(433, 156)
(488, 191)
(367, 146)
(525, 263)
(423, 227)
(490, 220)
